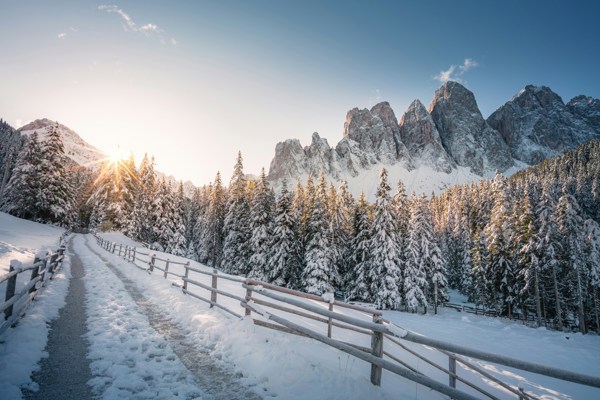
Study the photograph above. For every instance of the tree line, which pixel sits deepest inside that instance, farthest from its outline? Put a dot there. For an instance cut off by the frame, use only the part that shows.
(528, 244)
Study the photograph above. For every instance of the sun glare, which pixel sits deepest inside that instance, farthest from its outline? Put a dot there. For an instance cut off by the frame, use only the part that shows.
(118, 154)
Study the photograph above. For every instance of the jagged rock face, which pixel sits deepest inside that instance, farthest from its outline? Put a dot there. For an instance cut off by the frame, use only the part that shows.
(291, 160)
(588, 109)
(464, 133)
(351, 158)
(422, 139)
(377, 134)
(536, 124)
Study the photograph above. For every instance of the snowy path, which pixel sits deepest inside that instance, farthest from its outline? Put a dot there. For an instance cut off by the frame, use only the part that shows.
(143, 353)
(66, 347)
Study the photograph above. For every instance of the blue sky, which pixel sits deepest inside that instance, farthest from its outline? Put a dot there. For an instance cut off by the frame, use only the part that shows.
(194, 82)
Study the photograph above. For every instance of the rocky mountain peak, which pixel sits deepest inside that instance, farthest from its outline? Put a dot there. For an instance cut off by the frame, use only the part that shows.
(415, 112)
(376, 132)
(422, 139)
(536, 124)
(532, 97)
(587, 108)
(454, 95)
(464, 133)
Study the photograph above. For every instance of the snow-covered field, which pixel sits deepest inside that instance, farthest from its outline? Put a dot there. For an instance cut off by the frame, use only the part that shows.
(129, 357)
(22, 347)
(299, 368)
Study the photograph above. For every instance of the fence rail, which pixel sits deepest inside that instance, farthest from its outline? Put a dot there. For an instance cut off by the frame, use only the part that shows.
(42, 270)
(262, 300)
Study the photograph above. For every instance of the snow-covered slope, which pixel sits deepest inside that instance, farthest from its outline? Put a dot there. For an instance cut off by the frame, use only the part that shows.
(449, 143)
(21, 239)
(76, 148)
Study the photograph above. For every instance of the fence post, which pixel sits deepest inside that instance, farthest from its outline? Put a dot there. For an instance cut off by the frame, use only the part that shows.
(50, 265)
(133, 255)
(330, 321)
(152, 258)
(120, 248)
(248, 298)
(213, 295)
(11, 285)
(114, 247)
(452, 369)
(34, 273)
(187, 274)
(166, 268)
(377, 351)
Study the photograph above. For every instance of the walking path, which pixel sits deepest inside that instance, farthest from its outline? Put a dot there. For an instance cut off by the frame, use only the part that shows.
(111, 341)
(216, 382)
(64, 374)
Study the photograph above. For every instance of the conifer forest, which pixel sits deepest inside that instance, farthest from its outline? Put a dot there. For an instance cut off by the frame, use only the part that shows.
(525, 246)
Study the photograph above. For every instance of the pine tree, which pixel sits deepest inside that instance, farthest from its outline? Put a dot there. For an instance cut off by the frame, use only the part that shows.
(176, 243)
(318, 276)
(143, 213)
(385, 273)
(357, 281)
(212, 234)
(498, 233)
(415, 276)
(592, 255)
(20, 194)
(284, 267)
(128, 195)
(261, 226)
(236, 226)
(345, 210)
(55, 193)
(548, 248)
(570, 224)
(526, 246)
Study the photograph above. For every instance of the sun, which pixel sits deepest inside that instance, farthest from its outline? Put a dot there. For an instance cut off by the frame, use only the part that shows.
(117, 155)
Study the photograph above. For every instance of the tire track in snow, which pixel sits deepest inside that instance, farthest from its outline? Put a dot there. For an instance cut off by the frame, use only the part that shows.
(215, 381)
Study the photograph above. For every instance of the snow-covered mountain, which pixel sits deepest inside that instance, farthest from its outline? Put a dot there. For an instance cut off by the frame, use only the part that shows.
(76, 148)
(449, 143)
(83, 153)
(536, 124)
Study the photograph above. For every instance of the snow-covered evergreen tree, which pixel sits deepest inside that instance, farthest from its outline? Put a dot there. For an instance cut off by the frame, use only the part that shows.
(570, 225)
(385, 275)
(261, 226)
(55, 193)
(357, 279)
(20, 194)
(284, 267)
(498, 233)
(319, 275)
(415, 283)
(212, 233)
(236, 226)
(176, 243)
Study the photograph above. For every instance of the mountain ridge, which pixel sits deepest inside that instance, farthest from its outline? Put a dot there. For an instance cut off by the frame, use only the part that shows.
(450, 140)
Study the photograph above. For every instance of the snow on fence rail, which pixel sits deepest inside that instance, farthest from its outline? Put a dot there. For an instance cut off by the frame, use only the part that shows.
(42, 270)
(261, 296)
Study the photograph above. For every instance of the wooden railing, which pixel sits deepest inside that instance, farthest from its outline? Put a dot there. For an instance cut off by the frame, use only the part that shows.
(42, 271)
(389, 344)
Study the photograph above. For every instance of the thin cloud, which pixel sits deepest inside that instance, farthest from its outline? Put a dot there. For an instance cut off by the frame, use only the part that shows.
(129, 24)
(455, 72)
(173, 41)
(62, 35)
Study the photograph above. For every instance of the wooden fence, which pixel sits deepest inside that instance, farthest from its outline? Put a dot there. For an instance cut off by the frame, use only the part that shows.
(391, 347)
(42, 270)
